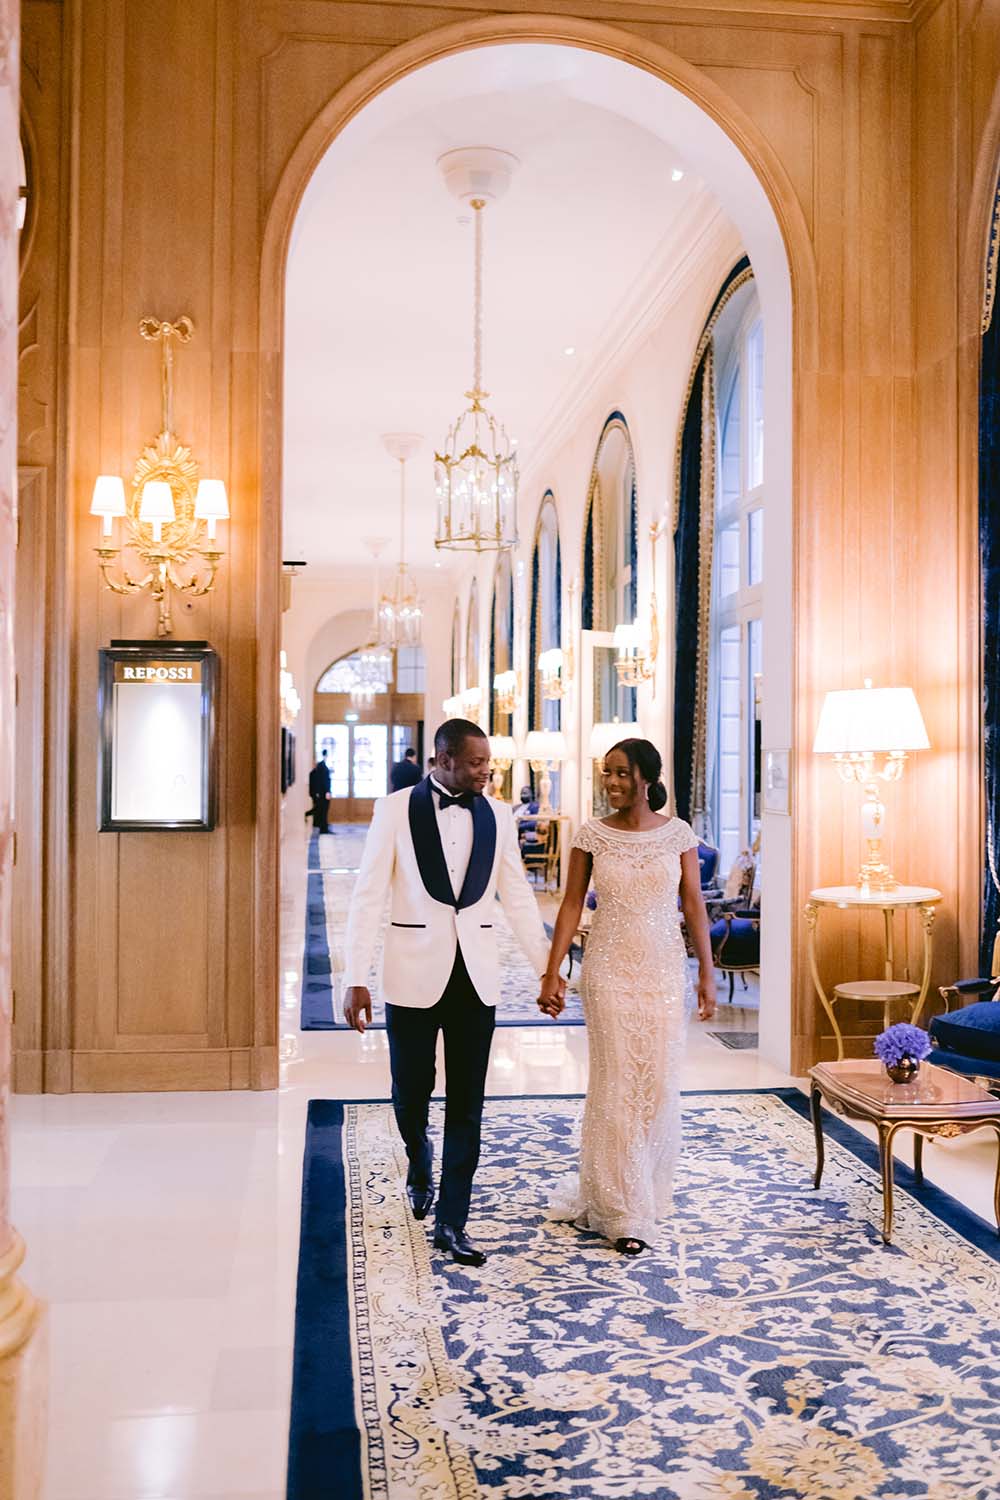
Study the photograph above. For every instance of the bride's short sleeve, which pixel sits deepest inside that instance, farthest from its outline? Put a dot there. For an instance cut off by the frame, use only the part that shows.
(586, 839)
(686, 836)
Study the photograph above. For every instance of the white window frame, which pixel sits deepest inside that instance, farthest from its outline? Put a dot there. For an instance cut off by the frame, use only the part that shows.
(746, 604)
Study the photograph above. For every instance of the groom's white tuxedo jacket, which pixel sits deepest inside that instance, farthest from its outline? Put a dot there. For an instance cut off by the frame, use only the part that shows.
(404, 859)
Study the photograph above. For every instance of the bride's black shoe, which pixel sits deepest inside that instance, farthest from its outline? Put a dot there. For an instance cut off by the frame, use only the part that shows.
(630, 1246)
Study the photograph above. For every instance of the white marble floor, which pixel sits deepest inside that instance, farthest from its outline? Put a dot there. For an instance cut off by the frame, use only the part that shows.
(163, 1231)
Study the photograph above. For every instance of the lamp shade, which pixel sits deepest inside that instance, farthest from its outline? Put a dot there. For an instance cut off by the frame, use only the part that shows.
(550, 662)
(503, 747)
(545, 744)
(109, 496)
(606, 733)
(626, 638)
(505, 682)
(868, 720)
(157, 503)
(454, 707)
(211, 503)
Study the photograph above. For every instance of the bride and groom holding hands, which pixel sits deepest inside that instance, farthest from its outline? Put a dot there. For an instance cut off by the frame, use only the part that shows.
(442, 853)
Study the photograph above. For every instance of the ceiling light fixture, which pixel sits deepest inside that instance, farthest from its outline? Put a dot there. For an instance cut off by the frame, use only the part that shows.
(570, 349)
(476, 470)
(676, 175)
(400, 614)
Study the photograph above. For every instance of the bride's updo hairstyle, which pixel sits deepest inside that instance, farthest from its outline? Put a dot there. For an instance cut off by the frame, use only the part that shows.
(644, 758)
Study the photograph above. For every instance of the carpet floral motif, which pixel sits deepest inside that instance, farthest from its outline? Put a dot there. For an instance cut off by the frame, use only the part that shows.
(769, 1347)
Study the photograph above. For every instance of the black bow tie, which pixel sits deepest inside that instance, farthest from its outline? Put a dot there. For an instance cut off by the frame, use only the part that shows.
(464, 799)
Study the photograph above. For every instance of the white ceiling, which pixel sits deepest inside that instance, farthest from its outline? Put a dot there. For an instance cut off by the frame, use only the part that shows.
(379, 291)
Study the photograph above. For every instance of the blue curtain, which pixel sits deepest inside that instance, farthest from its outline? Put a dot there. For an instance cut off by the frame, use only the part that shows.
(587, 601)
(989, 549)
(493, 663)
(686, 597)
(533, 642)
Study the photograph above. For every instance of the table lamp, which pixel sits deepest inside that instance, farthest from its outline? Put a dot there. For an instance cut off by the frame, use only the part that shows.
(856, 727)
(503, 754)
(545, 748)
(607, 733)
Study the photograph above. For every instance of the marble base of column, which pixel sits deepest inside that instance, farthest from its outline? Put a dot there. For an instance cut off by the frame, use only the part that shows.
(23, 1382)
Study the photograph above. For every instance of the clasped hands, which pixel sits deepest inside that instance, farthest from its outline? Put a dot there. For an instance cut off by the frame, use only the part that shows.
(552, 999)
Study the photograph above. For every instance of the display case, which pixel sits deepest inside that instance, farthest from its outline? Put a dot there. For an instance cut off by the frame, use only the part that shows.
(157, 711)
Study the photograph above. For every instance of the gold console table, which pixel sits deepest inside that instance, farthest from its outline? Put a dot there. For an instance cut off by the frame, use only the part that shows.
(921, 898)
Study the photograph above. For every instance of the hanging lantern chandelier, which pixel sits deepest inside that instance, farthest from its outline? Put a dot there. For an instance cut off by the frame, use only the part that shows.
(399, 619)
(476, 470)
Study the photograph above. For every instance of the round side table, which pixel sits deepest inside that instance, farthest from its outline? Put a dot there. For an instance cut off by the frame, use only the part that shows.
(921, 898)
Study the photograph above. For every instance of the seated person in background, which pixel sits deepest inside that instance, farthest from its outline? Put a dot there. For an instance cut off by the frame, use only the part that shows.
(405, 772)
(522, 810)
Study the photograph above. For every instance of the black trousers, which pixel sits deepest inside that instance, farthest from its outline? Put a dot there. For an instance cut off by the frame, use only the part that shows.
(319, 812)
(467, 1026)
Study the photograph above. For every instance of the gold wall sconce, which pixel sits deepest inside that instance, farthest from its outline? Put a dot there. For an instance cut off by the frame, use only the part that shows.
(637, 651)
(170, 513)
(472, 703)
(507, 692)
(553, 670)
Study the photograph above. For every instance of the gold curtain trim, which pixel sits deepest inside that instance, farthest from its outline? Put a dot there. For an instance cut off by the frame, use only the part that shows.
(990, 276)
(706, 541)
(547, 499)
(703, 343)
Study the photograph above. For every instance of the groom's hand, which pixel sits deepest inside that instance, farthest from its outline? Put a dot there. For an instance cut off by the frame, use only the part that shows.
(358, 1007)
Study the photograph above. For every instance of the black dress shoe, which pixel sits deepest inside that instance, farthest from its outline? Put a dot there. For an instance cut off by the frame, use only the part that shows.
(458, 1245)
(420, 1200)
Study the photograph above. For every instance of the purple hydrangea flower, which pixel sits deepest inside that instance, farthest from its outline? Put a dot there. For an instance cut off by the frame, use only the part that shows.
(902, 1040)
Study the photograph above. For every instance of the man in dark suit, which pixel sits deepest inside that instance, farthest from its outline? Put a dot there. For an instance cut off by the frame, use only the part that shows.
(319, 790)
(405, 772)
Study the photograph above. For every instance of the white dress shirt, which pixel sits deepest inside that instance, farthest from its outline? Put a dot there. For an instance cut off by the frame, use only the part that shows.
(455, 830)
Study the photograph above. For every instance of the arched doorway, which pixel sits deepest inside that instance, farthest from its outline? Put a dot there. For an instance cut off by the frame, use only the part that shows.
(729, 153)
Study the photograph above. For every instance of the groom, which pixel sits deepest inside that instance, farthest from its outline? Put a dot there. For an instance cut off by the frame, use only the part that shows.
(442, 852)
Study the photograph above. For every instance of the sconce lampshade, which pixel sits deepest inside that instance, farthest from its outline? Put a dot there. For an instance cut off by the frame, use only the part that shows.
(545, 744)
(109, 496)
(157, 503)
(626, 638)
(454, 708)
(607, 733)
(503, 747)
(211, 503)
(550, 662)
(870, 720)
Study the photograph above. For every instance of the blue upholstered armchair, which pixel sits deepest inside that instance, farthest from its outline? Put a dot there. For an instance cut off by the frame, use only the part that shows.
(967, 1040)
(736, 944)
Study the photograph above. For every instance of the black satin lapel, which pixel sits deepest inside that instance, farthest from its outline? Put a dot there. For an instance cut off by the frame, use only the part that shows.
(427, 845)
(484, 847)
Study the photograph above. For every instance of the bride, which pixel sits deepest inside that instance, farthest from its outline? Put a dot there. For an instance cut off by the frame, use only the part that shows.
(634, 986)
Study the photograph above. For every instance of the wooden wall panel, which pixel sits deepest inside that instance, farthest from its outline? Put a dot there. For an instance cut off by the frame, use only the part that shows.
(186, 116)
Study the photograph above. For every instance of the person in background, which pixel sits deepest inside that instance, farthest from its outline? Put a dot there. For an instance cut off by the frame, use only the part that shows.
(524, 807)
(405, 772)
(320, 783)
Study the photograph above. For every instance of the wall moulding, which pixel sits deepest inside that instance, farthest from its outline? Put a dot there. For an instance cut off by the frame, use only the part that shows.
(246, 156)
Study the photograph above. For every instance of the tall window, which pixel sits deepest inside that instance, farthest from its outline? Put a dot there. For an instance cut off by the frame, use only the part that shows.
(472, 638)
(456, 650)
(545, 624)
(501, 634)
(610, 569)
(738, 576)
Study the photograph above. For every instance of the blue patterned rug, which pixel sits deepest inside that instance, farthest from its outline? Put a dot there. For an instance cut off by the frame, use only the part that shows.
(331, 879)
(769, 1347)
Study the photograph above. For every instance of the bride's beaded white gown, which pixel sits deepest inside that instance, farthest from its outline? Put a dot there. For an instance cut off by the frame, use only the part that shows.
(635, 987)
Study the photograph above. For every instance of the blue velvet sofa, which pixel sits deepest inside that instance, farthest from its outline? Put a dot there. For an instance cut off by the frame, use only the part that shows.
(967, 1040)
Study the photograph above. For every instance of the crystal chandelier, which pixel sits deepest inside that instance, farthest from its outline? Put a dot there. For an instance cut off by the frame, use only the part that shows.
(476, 471)
(399, 617)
